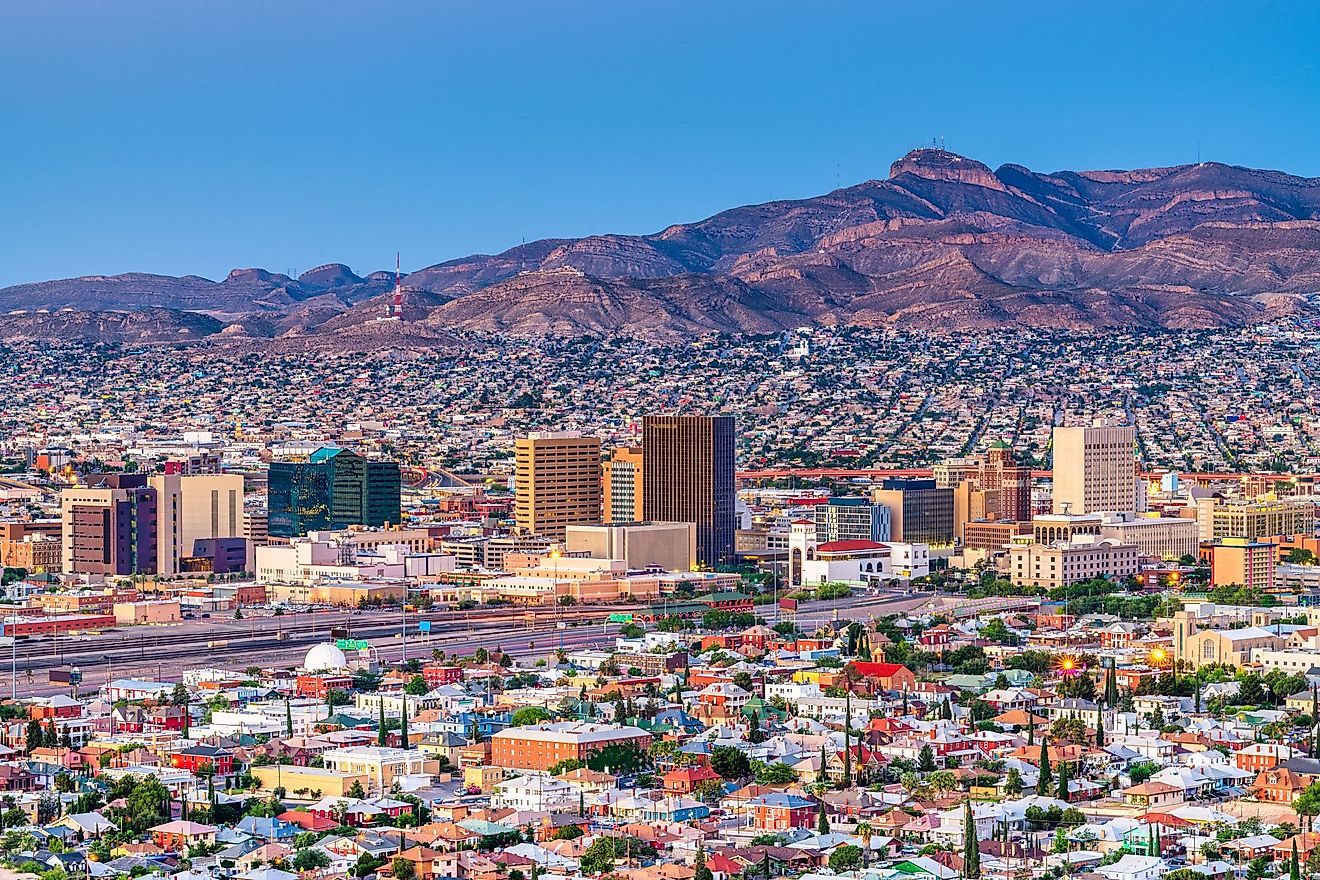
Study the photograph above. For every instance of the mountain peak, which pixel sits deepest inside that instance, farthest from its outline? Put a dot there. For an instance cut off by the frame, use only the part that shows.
(933, 164)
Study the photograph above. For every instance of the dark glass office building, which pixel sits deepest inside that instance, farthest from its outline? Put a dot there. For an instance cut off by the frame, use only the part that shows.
(332, 489)
(688, 463)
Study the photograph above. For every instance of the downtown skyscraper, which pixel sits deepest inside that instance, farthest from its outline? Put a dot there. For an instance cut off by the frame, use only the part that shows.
(689, 467)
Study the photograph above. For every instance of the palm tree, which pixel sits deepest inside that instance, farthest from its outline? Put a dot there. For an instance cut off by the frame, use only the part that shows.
(865, 832)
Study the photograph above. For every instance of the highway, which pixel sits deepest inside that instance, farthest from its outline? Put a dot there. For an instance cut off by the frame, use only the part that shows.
(162, 653)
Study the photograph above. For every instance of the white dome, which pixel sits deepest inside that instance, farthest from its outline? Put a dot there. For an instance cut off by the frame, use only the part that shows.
(325, 656)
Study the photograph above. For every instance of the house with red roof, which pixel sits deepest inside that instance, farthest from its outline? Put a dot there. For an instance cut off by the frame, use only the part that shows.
(722, 867)
(886, 676)
(686, 780)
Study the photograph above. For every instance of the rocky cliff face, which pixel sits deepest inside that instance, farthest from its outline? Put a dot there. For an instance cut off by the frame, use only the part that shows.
(147, 326)
(944, 243)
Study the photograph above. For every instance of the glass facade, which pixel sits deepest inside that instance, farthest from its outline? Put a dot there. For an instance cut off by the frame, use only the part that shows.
(688, 462)
(331, 490)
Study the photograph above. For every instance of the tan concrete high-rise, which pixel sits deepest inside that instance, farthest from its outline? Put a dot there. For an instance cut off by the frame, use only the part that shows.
(1095, 469)
(622, 484)
(557, 477)
(193, 507)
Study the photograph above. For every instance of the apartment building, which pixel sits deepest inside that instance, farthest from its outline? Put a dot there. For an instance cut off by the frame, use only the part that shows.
(1240, 518)
(109, 526)
(1094, 469)
(557, 482)
(541, 746)
(622, 483)
(1067, 562)
(1241, 561)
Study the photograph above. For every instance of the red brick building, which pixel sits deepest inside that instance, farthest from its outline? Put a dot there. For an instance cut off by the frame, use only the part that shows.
(437, 675)
(197, 757)
(320, 685)
(541, 746)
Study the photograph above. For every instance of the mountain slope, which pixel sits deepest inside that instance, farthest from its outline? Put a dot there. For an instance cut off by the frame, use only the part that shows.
(944, 242)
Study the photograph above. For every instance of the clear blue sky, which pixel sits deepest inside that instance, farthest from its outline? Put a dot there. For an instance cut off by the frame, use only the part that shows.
(193, 137)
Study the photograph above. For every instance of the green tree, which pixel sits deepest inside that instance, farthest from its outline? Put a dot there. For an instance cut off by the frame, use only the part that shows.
(774, 773)
(971, 850)
(1046, 776)
(731, 763)
(822, 821)
(1013, 782)
(310, 860)
(849, 858)
(528, 715)
(416, 686)
(356, 790)
(701, 872)
(403, 869)
(1307, 805)
(599, 857)
(926, 759)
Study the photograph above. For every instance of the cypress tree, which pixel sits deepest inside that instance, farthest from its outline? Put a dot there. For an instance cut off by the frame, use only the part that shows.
(1294, 867)
(1031, 729)
(701, 872)
(1063, 781)
(847, 736)
(1046, 777)
(1198, 696)
(822, 823)
(288, 718)
(971, 852)
(403, 723)
(1099, 728)
(822, 776)
(905, 703)
(380, 724)
(1315, 721)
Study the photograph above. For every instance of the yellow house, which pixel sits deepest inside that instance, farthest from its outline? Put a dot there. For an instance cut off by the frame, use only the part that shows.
(380, 765)
(485, 778)
(307, 783)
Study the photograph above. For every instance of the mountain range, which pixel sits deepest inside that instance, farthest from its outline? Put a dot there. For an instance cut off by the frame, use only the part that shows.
(943, 243)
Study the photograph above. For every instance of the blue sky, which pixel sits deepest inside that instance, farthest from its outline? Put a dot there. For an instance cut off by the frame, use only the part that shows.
(198, 136)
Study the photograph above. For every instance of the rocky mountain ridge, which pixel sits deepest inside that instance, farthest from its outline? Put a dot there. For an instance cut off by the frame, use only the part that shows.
(943, 242)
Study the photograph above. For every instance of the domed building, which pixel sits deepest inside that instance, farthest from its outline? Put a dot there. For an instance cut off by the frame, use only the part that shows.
(325, 656)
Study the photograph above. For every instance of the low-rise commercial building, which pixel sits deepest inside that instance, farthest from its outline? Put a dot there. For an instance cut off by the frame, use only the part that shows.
(541, 746)
(1067, 562)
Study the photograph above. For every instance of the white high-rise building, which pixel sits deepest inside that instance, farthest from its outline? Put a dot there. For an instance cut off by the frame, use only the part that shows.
(1094, 469)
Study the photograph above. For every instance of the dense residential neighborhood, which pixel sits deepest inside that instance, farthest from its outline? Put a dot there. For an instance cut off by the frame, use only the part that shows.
(939, 743)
